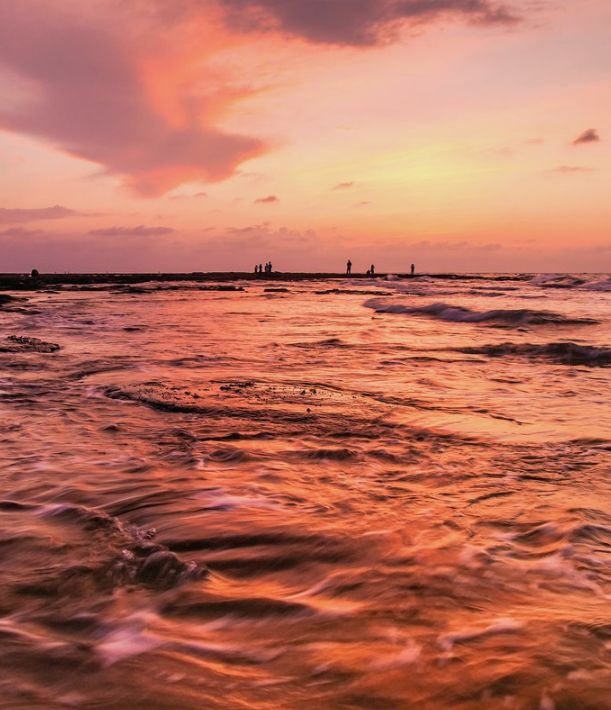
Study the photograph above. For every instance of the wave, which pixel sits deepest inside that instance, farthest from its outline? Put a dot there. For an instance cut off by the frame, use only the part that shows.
(131, 555)
(564, 353)
(459, 314)
(603, 285)
(572, 281)
(557, 280)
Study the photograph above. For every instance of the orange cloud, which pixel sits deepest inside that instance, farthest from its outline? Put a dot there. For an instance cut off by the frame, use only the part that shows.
(94, 98)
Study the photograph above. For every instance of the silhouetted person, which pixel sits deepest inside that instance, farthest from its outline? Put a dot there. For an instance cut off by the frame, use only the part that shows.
(412, 269)
(348, 267)
(34, 274)
(256, 269)
(372, 271)
(270, 267)
(260, 268)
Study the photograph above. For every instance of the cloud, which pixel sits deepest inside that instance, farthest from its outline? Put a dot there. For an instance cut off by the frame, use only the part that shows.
(102, 89)
(135, 87)
(20, 216)
(139, 231)
(343, 186)
(189, 197)
(356, 22)
(588, 136)
(270, 199)
(567, 169)
(19, 232)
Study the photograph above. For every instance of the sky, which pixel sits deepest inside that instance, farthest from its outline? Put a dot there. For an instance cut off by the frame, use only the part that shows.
(212, 135)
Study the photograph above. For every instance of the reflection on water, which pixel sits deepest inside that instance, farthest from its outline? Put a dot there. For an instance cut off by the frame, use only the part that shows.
(386, 494)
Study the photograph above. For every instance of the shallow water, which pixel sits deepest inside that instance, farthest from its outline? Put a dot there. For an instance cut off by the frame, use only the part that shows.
(371, 494)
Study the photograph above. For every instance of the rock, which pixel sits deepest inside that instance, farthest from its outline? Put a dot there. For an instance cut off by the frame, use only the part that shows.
(164, 569)
(23, 343)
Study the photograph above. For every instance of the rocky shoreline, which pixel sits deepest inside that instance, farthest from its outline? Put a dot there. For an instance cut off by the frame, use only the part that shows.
(25, 282)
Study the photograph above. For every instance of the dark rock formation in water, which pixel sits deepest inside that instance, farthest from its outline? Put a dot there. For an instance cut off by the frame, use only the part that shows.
(165, 569)
(23, 343)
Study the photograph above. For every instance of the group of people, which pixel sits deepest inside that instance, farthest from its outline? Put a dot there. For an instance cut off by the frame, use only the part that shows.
(371, 271)
(259, 269)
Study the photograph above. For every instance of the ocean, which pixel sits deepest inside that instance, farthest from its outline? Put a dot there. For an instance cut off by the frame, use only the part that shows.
(376, 494)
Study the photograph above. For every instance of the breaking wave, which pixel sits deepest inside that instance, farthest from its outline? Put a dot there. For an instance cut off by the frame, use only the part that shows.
(459, 314)
(581, 281)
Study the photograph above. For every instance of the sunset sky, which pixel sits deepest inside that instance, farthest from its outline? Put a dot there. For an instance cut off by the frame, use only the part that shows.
(197, 135)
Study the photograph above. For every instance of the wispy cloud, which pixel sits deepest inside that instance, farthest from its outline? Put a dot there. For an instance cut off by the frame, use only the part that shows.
(343, 186)
(588, 136)
(197, 195)
(270, 199)
(20, 232)
(20, 216)
(568, 169)
(139, 231)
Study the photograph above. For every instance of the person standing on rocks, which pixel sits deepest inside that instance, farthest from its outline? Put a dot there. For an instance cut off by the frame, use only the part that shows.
(348, 268)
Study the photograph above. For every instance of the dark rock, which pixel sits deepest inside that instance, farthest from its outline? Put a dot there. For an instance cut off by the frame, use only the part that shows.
(23, 343)
(164, 569)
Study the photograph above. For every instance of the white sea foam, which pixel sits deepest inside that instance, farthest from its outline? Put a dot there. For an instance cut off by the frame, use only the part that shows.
(500, 626)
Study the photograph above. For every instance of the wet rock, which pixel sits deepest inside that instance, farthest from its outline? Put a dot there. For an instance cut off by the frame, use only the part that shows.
(165, 569)
(23, 343)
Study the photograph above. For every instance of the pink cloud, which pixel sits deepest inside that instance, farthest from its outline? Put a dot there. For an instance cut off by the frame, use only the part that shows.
(343, 186)
(270, 199)
(355, 22)
(588, 136)
(19, 232)
(20, 216)
(139, 231)
(568, 169)
(92, 99)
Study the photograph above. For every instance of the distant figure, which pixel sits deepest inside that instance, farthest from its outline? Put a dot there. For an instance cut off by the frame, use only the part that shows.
(413, 268)
(260, 268)
(34, 274)
(368, 272)
(348, 268)
(270, 267)
(372, 271)
(256, 269)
